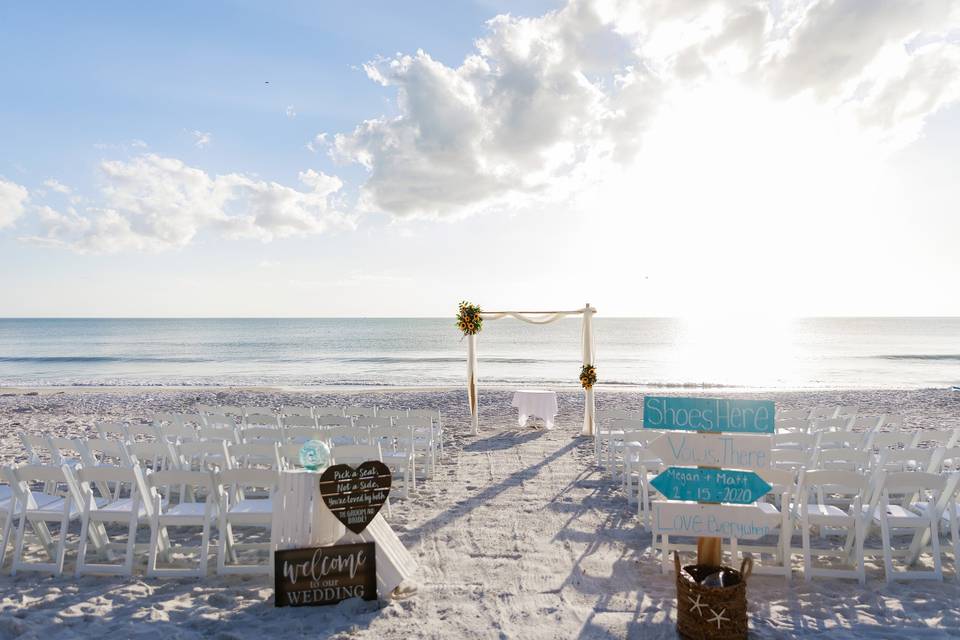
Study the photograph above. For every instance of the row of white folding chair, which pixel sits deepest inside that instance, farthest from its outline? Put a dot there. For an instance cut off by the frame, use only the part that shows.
(923, 503)
(608, 437)
(821, 412)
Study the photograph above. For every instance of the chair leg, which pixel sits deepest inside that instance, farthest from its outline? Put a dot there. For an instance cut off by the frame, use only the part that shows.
(204, 548)
(935, 544)
(18, 546)
(861, 535)
(152, 557)
(807, 561)
(62, 542)
(82, 546)
(887, 551)
(5, 534)
(131, 544)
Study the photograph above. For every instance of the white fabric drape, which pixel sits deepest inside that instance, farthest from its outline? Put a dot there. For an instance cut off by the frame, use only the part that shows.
(472, 382)
(589, 409)
(535, 317)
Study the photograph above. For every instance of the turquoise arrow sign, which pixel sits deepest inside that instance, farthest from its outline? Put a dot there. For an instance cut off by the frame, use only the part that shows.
(708, 414)
(710, 485)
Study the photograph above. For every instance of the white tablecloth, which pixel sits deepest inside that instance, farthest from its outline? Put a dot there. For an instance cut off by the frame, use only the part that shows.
(536, 403)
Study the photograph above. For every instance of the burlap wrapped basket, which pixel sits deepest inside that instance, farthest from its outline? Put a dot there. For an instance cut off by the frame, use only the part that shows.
(711, 613)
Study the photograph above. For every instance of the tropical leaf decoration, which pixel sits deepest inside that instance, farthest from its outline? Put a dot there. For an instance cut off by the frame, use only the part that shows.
(588, 376)
(469, 320)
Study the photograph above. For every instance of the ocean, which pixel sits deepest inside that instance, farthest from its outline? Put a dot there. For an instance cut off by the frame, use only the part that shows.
(812, 353)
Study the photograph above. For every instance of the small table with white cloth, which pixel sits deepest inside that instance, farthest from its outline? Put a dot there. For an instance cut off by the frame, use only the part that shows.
(536, 403)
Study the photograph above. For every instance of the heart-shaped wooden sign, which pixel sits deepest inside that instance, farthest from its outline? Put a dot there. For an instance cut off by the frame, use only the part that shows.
(355, 495)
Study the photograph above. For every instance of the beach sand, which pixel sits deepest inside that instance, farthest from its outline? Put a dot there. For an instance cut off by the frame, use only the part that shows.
(517, 536)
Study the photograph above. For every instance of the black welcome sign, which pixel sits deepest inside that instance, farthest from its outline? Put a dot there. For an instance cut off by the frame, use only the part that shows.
(356, 495)
(325, 575)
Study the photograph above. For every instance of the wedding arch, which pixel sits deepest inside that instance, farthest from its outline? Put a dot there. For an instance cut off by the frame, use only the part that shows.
(471, 323)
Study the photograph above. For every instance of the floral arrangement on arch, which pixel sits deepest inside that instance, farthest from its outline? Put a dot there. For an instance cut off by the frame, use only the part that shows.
(469, 320)
(588, 376)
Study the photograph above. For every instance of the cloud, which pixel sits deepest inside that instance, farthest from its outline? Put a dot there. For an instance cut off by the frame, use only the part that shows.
(201, 139)
(546, 105)
(13, 200)
(291, 111)
(57, 186)
(155, 203)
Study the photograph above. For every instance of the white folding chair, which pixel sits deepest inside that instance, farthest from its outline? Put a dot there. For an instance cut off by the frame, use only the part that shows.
(255, 455)
(434, 415)
(299, 435)
(290, 410)
(238, 509)
(211, 454)
(912, 459)
(791, 459)
(298, 422)
(156, 456)
(8, 509)
(345, 435)
(124, 503)
(397, 452)
(844, 459)
(880, 440)
(260, 434)
(289, 455)
(788, 415)
(847, 412)
(831, 518)
(605, 430)
(890, 516)
(61, 505)
(838, 440)
(98, 452)
(822, 412)
(355, 411)
(189, 511)
(618, 427)
(424, 442)
(794, 425)
(67, 451)
(794, 440)
(325, 422)
(319, 412)
(937, 438)
(219, 420)
(142, 432)
(391, 413)
(38, 449)
(827, 424)
(774, 559)
(220, 432)
(865, 423)
(948, 506)
(112, 431)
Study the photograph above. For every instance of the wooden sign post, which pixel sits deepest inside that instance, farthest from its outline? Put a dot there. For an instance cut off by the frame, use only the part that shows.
(704, 477)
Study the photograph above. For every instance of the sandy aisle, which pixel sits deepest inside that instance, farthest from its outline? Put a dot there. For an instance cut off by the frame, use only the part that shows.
(517, 537)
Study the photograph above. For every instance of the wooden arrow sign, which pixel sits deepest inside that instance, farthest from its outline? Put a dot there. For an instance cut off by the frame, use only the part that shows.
(721, 450)
(710, 485)
(745, 522)
(708, 414)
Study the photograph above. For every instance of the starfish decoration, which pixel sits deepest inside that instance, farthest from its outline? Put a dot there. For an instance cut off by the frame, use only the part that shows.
(697, 605)
(718, 617)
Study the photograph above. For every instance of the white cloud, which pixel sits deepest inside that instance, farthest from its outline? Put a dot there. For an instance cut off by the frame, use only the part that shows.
(546, 105)
(155, 203)
(13, 200)
(201, 139)
(57, 186)
(291, 111)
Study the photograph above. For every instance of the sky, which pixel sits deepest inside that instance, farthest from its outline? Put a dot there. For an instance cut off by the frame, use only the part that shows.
(652, 157)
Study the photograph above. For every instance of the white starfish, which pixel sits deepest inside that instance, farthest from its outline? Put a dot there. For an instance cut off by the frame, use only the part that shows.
(718, 617)
(697, 605)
